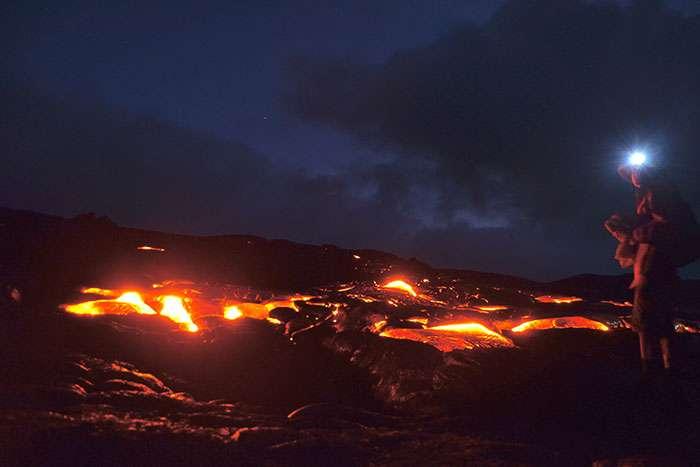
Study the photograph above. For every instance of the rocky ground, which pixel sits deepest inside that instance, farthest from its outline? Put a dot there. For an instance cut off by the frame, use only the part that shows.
(322, 382)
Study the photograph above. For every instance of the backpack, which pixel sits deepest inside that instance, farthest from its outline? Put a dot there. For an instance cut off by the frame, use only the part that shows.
(687, 248)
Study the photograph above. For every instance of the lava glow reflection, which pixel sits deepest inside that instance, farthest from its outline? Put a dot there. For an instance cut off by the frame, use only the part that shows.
(559, 323)
(401, 285)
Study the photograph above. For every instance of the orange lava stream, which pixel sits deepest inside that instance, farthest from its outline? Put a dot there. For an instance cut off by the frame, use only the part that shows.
(491, 307)
(620, 304)
(86, 308)
(560, 323)
(97, 307)
(232, 312)
(253, 310)
(150, 248)
(401, 285)
(174, 308)
(134, 299)
(99, 291)
(419, 320)
(286, 302)
(468, 328)
(558, 299)
(452, 336)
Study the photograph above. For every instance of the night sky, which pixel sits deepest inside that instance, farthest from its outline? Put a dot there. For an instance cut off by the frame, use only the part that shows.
(477, 134)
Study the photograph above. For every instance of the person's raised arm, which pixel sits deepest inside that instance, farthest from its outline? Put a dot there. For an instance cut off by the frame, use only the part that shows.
(645, 252)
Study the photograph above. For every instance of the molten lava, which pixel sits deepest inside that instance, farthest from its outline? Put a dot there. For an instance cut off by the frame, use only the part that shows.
(253, 310)
(558, 299)
(184, 303)
(419, 320)
(619, 304)
(131, 301)
(174, 308)
(401, 285)
(99, 291)
(87, 308)
(134, 299)
(450, 337)
(687, 327)
(488, 308)
(232, 312)
(150, 248)
(559, 323)
(468, 328)
(101, 307)
(287, 302)
(177, 298)
(271, 305)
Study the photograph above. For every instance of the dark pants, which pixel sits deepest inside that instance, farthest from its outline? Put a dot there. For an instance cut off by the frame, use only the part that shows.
(655, 303)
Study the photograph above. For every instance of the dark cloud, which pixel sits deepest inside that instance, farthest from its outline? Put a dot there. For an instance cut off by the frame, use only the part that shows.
(496, 144)
(67, 157)
(540, 97)
(526, 116)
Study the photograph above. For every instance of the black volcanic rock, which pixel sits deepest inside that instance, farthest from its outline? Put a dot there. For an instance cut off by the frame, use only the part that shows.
(47, 255)
(283, 314)
(133, 388)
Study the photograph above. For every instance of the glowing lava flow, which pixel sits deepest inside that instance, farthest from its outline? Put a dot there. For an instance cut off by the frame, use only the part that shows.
(174, 308)
(134, 299)
(99, 291)
(419, 320)
(98, 307)
(232, 312)
(469, 328)
(150, 248)
(87, 308)
(488, 308)
(559, 323)
(128, 302)
(287, 302)
(257, 310)
(253, 310)
(558, 299)
(401, 285)
(619, 304)
(450, 337)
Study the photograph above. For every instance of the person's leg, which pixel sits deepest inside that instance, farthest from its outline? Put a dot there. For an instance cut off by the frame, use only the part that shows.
(647, 321)
(665, 345)
(646, 351)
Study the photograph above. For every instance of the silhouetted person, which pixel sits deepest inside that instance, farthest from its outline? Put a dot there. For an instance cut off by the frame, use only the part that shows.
(664, 237)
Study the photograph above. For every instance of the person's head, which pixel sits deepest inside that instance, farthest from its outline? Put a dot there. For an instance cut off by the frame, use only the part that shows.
(638, 176)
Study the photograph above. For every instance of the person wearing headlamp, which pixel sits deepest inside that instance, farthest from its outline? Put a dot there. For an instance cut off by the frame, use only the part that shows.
(664, 233)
